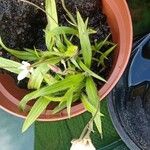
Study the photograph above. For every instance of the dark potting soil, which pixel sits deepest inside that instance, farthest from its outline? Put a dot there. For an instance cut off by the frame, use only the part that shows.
(21, 25)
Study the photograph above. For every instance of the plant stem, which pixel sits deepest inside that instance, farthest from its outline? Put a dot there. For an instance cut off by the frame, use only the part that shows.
(89, 127)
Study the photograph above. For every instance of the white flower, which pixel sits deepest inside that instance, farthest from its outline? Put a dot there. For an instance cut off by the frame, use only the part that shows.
(26, 70)
(83, 144)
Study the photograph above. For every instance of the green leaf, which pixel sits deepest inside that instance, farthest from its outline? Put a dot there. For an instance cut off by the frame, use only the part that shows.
(59, 107)
(37, 76)
(91, 73)
(24, 55)
(48, 54)
(59, 86)
(63, 104)
(10, 65)
(35, 52)
(68, 13)
(54, 99)
(91, 91)
(71, 51)
(39, 106)
(105, 55)
(69, 98)
(49, 79)
(49, 61)
(74, 62)
(63, 30)
(91, 31)
(84, 41)
(52, 19)
(93, 97)
(98, 123)
(88, 106)
(102, 43)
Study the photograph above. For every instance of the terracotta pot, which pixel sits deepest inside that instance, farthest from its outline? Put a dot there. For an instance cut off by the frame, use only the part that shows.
(121, 27)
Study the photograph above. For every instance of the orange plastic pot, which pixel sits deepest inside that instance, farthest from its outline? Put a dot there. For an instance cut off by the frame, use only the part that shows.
(119, 20)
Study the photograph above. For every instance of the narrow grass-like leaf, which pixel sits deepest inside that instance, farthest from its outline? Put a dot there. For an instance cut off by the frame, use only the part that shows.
(64, 30)
(35, 51)
(102, 43)
(88, 106)
(24, 55)
(69, 98)
(39, 106)
(54, 99)
(71, 51)
(68, 13)
(91, 91)
(37, 76)
(59, 108)
(63, 104)
(105, 55)
(55, 52)
(49, 79)
(10, 65)
(91, 73)
(51, 61)
(59, 86)
(98, 123)
(74, 62)
(52, 19)
(84, 41)
(93, 97)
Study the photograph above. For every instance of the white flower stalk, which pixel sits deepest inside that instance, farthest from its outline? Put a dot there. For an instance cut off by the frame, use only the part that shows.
(26, 70)
(82, 144)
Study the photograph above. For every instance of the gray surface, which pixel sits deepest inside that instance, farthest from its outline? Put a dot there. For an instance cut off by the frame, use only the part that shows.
(11, 137)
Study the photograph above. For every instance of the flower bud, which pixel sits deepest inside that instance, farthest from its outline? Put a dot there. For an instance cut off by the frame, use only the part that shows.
(83, 144)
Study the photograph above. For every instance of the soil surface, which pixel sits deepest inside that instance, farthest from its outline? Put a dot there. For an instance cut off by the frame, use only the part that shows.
(21, 25)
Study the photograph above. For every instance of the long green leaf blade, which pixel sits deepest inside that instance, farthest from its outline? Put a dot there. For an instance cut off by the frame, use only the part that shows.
(86, 69)
(24, 55)
(52, 19)
(63, 30)
(69, 98)
(63, 104)
(88, 106)
(10, 65)
(84, 41)
(105, 55)
(59, 86)
(36, 110)
(92, 93)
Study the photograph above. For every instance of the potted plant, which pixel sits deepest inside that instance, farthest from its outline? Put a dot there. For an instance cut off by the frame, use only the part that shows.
(63, 74)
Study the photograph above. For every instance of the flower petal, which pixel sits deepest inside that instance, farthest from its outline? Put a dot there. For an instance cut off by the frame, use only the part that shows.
(26, 63)
(84, 144)
(23, 74)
